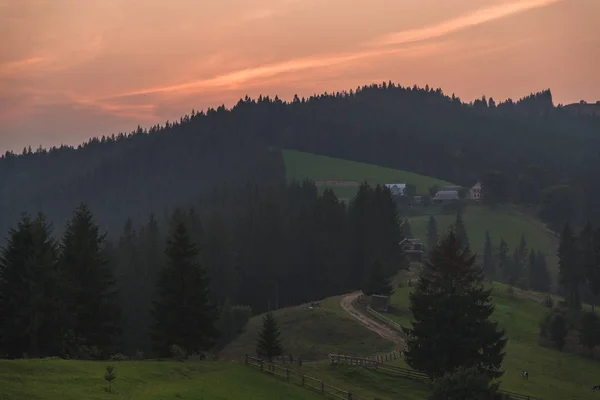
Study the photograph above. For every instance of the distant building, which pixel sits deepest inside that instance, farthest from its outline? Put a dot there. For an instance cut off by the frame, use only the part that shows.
(397, 189)
(449, 188)
(413, 248)
(445, 196)
(380, 303)
(475, 193)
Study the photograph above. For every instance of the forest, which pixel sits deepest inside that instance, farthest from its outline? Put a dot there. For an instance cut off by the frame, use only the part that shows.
(528, 152)
(82, 295)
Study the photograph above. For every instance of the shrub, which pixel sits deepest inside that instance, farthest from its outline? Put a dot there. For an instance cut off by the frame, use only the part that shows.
(178, 352)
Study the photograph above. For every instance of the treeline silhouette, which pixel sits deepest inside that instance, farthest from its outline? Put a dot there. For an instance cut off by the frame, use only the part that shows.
(528, 152)
(86, 296)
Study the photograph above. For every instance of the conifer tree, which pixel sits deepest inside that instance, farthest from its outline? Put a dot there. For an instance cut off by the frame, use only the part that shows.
(183, 314)
(30, 288)
(378, 282)
(488, 257)
(91, 288)
(571, 273)
(503, 260)
(539, 275)
(432, 233)
(450, 298)
(593, 273)
(460, 230)
(589, 334)
(268, 343)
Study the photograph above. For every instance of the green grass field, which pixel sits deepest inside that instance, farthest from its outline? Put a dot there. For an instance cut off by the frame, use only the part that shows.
(312, 334)
(552, 374)
(50, 379)
(301, 166)
(504, 222)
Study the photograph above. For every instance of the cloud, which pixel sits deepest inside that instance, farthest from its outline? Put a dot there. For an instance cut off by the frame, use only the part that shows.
(238, 77)
(14, 67)
(474, 18)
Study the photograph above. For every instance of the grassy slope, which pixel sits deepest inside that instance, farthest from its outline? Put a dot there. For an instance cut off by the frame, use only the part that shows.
(312, 334)
(50, 379)
(552, 374)
(305, 165)
(505, 222)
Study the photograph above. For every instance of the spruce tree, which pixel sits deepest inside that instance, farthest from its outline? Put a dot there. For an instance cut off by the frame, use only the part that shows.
(488, 258)
(571, 273)
(378, 282)
(589, 334)
(461, 230)
(268, 343)
(503, 261)
(91, 288)
(593, 273)
(183, 313)
(432, 233)
(539, 275)
(450, 298)
(30, 289)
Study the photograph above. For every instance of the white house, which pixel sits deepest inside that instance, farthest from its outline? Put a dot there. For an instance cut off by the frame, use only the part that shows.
(475, 193)
(396, 188)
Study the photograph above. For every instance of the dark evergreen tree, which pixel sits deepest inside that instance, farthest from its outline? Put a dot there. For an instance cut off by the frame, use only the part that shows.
(461, 230)
(30, 289)
(450, 298)
(183, 314)
(378, 282)
(593, 273)
(503, 261)
(539, 275)
(488, 258)
(432, 233)
(571, 273)
(90, 293)
(588, 256)
(589, 334)
(517, 267)
(558, 330)
(268, 343)
(407, 228)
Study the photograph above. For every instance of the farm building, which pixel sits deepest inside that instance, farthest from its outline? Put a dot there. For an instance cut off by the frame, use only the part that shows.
(380, 303)
(413, 248)
(445, 196)
(397, 189)
(476, 193)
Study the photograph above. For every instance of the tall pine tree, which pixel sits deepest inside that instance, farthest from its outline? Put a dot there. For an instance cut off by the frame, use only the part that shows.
(268, 343)
(461, 230)
(432, 233)
(571, 273)
(450, 299)
(503, 261)
(182, 311)
(488, 258)
(30, 289)
(378, 282)
(91, 288)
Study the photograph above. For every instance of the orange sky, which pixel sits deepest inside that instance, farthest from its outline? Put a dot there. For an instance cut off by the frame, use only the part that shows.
(72, 69)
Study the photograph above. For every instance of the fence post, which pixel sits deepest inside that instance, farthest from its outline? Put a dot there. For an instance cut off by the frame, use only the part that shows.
(287, 374)
(299, 362)
(349, 396)
(302, 379)
(322, 387)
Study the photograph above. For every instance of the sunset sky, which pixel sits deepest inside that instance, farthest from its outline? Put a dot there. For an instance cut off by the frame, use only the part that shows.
(73, 69)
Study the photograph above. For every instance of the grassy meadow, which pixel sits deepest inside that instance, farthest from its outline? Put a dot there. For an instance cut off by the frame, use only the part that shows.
(312, 334)
(54, 379)
(301, 166)
(553, 375)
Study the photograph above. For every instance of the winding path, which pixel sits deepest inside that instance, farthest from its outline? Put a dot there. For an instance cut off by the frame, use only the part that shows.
(347, 304)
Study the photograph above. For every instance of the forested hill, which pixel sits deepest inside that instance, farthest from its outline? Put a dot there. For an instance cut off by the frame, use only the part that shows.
(544, 155)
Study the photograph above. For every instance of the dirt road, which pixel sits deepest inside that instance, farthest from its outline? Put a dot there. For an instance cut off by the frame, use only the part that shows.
(347, 304)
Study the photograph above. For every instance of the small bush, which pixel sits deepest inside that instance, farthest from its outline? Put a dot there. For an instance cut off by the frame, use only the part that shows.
(119, 357)
(110, 376)
(178, 352)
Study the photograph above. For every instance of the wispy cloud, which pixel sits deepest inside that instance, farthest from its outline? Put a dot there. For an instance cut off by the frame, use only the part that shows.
(235, 78)
(144, 112)
(474, 18)
(18, 66)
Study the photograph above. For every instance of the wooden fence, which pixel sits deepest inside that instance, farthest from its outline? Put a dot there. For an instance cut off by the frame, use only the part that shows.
(369, 362)
(384, 319)
(298, 378)
(373, 363)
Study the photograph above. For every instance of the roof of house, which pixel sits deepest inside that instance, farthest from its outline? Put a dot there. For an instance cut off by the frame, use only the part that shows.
(395, 185)
(447, 188)
(446, 194)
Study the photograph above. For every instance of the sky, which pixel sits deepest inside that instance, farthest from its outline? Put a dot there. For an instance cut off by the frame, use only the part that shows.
(74, 69)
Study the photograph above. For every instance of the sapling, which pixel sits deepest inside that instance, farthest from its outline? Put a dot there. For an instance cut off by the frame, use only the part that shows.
(110, 376)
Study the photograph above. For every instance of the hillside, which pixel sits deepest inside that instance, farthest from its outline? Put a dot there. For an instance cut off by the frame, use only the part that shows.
(312, 334)
(503, 222)
(553, 375)
(327, 170)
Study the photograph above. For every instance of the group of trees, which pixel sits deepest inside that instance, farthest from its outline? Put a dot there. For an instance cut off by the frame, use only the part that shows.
(178, 283)
(525, 267)
(579, 264)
